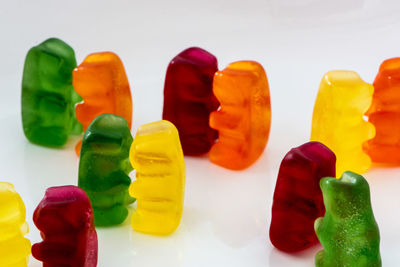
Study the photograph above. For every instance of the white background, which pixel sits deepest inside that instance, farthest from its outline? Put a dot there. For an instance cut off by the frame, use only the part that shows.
(227, 214)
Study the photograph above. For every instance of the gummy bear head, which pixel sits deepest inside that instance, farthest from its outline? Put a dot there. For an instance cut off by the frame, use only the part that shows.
(193, 67)
(346, 197)
(63, 209)
(390, 69)
(149, 150)
(347, 91)
(108, 134)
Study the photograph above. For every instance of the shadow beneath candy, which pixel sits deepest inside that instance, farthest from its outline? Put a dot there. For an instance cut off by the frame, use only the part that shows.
(46, 167)
(121, 243)
(303, 258)
(34, 262)
(233, 205)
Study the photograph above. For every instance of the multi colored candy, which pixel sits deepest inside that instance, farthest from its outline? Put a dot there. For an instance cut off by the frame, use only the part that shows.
(157, 156)
(48, 98)
(102, 83)
(14, 248)
(342, 100)
(348, 231)
(104, 168)
(65, 220)
(189, 99)
(384, 114)
(244, 119)
(298, 197)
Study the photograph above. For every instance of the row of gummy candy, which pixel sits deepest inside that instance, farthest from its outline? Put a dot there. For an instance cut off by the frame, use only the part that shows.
(189, 102)
(340, 217)
(59, 99)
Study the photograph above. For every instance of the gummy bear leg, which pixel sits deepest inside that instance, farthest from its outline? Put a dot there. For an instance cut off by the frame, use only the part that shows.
(48, 136)
(319, 258)
(110, 216)
(229, 157)
(21, 263)
(154, 223)
(381, 153)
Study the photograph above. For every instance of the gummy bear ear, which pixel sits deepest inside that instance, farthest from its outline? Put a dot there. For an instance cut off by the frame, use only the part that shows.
(354, 182)
(349, 178)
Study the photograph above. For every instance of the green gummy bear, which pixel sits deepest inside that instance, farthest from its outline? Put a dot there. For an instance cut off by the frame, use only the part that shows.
(348, 231)
(104, 168)
(48, 98)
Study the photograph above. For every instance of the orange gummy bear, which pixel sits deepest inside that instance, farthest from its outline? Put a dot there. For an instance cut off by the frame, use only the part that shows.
(102, 83)
(384, 114)
(244, 118)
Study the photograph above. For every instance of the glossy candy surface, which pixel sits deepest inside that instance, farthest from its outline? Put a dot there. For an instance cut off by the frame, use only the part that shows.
(14, 248)
(157, 156)
(65, 220)
(189, 99)
(104, 168)
(244, 119)
(298, 197)
(348, 231)
(102, 83)
(338, 123)
(384, 114)
(48, 98)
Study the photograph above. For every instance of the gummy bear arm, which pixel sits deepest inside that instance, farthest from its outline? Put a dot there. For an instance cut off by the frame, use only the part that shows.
(37, 252)
(120, 179)
(129, 199)
(24, 228)
(76, 126)
(319, 258)
(126, 165)
(51, 253)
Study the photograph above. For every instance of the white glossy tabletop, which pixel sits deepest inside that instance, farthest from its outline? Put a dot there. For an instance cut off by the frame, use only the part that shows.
(227, 214)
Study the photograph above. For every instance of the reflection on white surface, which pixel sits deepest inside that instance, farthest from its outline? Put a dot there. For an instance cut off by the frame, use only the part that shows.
(304, 258)
(226, 215)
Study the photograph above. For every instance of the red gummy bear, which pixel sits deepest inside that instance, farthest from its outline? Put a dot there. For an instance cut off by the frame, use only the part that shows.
(298, 197)
(189, 99)
(65, 219)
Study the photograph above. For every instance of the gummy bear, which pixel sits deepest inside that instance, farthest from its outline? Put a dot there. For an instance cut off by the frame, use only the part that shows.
(14, 248)
(101, 80)
(104, 168)
(48, 98)
(65, 220)
(189, 99)
(244, 118)
(298, 197)
(157, 156)
(348, 231)
(338, 123)
(384, 114)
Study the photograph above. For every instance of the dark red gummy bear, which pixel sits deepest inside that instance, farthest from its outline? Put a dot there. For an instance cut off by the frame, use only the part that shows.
(65, 220)
(189, 99)
(298, 197)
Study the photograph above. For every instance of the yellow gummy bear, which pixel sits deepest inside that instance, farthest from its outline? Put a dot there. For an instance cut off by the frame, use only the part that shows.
(157, 156)
(14, 248)
(342, 100)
